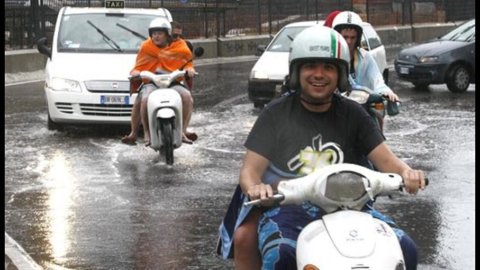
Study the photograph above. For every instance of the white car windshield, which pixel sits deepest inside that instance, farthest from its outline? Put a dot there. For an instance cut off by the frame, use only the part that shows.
(373, 39)
(103, 32)
(284, 38)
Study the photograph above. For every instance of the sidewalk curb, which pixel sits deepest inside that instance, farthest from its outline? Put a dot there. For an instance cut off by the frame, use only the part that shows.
(18, 255)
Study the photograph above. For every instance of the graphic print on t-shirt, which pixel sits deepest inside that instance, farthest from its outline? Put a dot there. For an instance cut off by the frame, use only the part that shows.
(316, 156)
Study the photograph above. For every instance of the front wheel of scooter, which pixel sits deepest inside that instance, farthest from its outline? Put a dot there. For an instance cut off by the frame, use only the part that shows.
(167, 137)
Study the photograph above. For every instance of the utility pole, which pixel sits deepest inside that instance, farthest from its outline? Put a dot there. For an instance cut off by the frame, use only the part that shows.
(217, 14)
(367, 9)
(270, 17)
(205, 18)
(259, 18)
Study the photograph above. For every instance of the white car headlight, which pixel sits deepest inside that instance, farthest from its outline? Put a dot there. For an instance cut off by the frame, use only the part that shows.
(428, 59)
(259, 75)
(59, 84)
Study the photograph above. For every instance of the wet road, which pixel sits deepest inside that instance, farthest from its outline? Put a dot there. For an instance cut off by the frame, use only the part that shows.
(79, 199)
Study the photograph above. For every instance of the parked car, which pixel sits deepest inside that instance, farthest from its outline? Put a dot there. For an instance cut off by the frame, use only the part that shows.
(268, 73)
(448, 59)
(87, 69)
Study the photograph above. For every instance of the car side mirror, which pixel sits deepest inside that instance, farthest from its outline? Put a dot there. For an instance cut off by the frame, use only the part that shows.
(260, 49)
(43, 48)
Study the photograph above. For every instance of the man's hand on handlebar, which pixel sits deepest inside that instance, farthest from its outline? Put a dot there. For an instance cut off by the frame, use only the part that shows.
(413, 180)
(263, 192)
(391, 96)
(190, 72)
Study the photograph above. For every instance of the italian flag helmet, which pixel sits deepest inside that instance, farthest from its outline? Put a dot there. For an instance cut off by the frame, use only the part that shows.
(319, 43)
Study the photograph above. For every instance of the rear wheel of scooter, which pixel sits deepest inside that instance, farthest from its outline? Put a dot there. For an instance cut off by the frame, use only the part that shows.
(167, 138)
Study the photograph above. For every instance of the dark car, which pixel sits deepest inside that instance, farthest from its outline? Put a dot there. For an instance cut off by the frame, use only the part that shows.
(449, 59)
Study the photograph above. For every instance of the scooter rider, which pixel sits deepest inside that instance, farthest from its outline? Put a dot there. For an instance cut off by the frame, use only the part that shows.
(363, 68)
(297, 134)
(177, 33)
(159, 54)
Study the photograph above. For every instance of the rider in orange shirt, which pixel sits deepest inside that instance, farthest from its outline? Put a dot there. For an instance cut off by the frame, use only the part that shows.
(160, 54)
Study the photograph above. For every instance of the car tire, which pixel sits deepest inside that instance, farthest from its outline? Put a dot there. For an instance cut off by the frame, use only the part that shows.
(458, 79)
(385, 76)
(52, 125)
(421, 86)
(258, 105)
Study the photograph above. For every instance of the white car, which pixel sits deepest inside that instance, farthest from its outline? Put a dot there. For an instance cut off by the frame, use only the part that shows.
(93, 51)
(268, 73)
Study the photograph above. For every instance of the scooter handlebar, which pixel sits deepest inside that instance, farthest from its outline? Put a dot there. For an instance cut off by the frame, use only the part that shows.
(308, 188)
(276, 198)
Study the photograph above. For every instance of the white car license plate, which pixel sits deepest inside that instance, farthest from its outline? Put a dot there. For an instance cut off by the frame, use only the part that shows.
(404, 70)
(114, 100)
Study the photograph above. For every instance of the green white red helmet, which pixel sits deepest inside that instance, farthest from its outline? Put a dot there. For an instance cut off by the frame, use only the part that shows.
(349, 19)
(160, 24)
(319, 43)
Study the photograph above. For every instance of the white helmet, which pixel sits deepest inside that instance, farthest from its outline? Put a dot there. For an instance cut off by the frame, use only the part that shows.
(160, 24)
(349, 19)
(166, 13)
(323, 43)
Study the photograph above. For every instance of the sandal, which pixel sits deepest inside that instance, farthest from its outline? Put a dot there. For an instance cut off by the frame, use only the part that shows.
(147, 142)
(128, 140)
(186, 140)
(192, 136)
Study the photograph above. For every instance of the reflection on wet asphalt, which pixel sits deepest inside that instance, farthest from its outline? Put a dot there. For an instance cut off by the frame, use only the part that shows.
(80, 199)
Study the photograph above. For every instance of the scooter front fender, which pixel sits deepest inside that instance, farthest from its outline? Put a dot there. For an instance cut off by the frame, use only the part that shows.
(164, 104)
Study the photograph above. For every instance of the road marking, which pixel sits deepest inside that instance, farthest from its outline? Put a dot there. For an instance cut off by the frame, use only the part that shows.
(17, 254)
(23, 82)
(230, 100)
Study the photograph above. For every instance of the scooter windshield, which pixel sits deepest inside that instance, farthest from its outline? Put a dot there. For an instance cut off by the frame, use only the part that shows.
(345, 187)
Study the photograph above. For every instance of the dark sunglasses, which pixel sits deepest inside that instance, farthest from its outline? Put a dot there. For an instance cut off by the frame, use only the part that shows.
(175, 36)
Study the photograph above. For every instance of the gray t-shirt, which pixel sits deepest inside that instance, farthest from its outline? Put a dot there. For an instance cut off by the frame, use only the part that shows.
(297, 141)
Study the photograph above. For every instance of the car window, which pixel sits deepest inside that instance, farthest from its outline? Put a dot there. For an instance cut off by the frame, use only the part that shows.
(465, 32)
(372, 37)
(282, 41)
(78, 33)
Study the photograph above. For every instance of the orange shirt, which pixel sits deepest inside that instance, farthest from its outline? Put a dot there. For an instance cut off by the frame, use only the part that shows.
(152, 58)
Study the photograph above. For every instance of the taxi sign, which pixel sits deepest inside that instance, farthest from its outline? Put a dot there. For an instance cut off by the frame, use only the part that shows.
(114, 3)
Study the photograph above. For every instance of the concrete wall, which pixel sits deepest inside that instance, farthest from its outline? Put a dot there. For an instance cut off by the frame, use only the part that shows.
(425, 32)
(416, 34)
(394, 37)
(24, 61)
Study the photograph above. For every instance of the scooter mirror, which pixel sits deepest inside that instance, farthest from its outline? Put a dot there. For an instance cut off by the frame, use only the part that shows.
(198, 51)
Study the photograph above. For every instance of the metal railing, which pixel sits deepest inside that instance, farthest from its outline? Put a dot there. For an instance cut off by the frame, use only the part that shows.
(27, 20)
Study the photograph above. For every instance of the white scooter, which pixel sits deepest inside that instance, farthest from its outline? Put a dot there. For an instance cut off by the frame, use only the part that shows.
(164, 108)
(345, 237)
